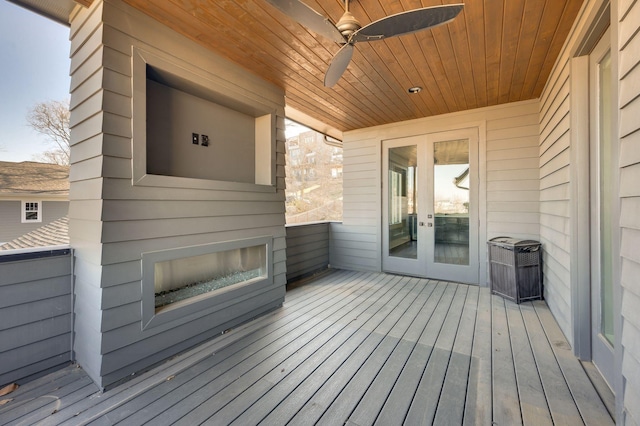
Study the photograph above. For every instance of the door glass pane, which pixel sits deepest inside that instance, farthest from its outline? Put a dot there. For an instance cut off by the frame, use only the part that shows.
(451, 201)
(606, 201)
(402, 226)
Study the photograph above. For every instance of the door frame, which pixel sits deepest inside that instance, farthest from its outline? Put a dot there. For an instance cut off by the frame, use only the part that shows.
(400, 265)
(580, 256)
(477, 154)
(601, 348)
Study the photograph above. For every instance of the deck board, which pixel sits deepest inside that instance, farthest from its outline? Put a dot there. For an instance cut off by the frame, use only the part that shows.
(350, 348)
(478, 403)
(218, 386)
(295, 400)
(506, 407)
(425, 400)
(374, 321)
(561, 403)
(404, 344)
(450, 410)
(535, 410)
(383, 342)
(397, 404)
(588, 402)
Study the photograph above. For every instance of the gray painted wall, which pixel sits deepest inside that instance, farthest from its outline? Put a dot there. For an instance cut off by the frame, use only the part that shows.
(11, 226)
(307, 249)
(35, 316)
(115, 218)
(173, 115)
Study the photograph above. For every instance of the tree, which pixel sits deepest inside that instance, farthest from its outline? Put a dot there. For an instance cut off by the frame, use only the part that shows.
(51, 118)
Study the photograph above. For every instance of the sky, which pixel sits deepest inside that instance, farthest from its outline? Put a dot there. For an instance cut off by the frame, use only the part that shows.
(34, 67)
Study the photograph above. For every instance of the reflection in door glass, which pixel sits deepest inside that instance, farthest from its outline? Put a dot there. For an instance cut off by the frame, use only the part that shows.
(451, 201)
(402, 227)
(606, 201)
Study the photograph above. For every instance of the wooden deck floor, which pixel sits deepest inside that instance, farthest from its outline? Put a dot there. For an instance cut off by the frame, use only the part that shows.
(349, 348)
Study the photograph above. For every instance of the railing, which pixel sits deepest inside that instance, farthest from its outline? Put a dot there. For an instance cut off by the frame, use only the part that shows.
(35, 312)
(307, 249)
(318, 214)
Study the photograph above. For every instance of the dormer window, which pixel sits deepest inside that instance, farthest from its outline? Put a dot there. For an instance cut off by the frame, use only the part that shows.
(31, 211)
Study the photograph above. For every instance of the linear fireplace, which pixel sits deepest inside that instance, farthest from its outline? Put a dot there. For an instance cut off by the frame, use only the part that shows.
(189, 280)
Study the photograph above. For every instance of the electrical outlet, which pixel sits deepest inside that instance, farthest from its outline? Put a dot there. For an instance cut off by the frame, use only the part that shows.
(195, 138)
(205, 140)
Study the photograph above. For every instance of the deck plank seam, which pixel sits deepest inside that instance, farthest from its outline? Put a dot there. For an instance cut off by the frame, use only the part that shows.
(371, 317)
(361, 366)
(314, 317)
(429, 365)
(392, 351)
(450, 351)
(415, 344)
(347, 358)
(439, 290)
(470, 301)
(373, 302)
(513, 360)
(516, 311)
(337, 367)
(567, 380)
(558, 416)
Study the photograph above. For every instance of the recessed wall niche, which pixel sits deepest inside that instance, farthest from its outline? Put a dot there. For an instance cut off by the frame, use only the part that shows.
(197, 132)
(174, 115)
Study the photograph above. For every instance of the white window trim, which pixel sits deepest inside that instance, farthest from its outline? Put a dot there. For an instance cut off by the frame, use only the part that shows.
(23, 215)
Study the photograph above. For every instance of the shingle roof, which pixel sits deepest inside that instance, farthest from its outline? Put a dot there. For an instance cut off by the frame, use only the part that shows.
(55, 233)
(33, 178)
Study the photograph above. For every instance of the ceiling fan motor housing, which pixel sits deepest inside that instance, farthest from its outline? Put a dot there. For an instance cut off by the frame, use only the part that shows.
(348, 24)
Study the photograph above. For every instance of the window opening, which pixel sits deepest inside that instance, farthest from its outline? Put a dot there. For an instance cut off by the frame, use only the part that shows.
(313, 176)
(31, 211)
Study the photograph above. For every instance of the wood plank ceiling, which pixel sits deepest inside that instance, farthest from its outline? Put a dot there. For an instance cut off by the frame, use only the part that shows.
(494, 52)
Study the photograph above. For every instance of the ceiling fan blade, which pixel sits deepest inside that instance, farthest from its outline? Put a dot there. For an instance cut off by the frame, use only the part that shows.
(338, 65)
(407, 22)
(309, 18)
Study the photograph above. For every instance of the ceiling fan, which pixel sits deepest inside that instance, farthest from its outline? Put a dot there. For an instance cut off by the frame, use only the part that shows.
(348, 31)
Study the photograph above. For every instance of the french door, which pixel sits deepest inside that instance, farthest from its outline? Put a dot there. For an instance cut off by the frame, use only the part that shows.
(603, 175)
(430, 206)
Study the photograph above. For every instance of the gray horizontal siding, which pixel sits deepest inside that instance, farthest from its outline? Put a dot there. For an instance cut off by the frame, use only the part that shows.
(356, 242)
(307, 249)
(113, 222)
(35, 316)
(555, 198)
(629, 74)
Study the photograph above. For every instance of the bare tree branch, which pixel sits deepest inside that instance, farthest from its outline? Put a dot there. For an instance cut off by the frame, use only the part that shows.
(51, 118)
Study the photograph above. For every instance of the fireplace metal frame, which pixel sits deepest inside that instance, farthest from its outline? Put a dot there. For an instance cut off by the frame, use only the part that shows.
(206, 303)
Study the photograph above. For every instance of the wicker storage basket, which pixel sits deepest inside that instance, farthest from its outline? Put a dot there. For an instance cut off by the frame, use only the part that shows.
(515, 268)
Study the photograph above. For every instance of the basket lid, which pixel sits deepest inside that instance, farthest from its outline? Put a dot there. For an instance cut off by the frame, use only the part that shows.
(513, 242)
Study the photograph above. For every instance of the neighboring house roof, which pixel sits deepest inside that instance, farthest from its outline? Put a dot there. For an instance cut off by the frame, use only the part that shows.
(59, 10)
(31, 178)
(55, 233)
